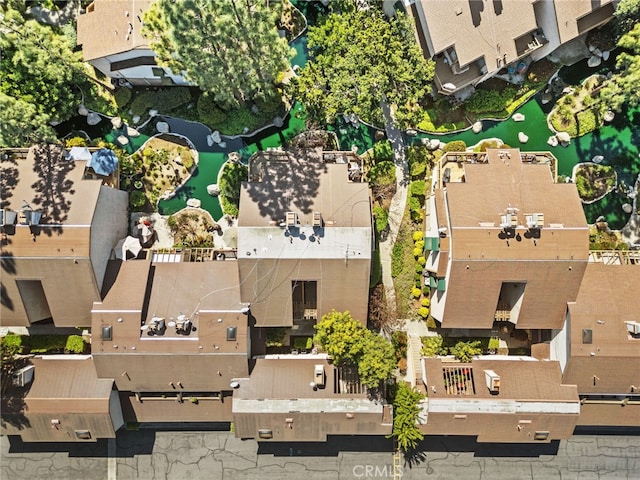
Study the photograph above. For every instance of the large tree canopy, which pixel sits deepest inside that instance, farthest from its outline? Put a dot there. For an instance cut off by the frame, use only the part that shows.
(357, 59)
(623, 88)
(230, 48)
(348, 342)
(627, 15)
(40, 74)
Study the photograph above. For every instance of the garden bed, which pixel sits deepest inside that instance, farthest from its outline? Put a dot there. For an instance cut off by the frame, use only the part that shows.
(579, 111)
(594, 181)
(192, 228)
(157, 170)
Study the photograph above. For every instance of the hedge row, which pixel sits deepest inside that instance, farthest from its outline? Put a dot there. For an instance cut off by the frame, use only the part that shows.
(46, 343)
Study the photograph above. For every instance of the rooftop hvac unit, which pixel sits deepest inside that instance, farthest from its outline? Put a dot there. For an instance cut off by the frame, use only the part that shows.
(291, 219)
(633, 327)
(509, 220)
(23, 376)
(9, 217)
(317, 219)
(318, 375)
(493, 381)
(535, 220)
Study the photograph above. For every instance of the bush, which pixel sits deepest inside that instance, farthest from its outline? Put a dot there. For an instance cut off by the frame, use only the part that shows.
(465, 351)
(491, 101)
(416, 292)
(122, 97)
(396, 259)
(417, 188)
(417, 235)
(137, 199)
(164, 100)
(303, 343)
(75, 344)
(494, 343)
(417, 156)
(382, 218)
(230, 182)
(423, 312)
(45, 343)
(402, 365)
(209, 112)
(399, 341)
(75, 142)
(419, 244)
(13, 341)
(275, 336)
(383, 151)
(269, 105)
(417, 252)
(455, 146)
(432, 346)
(382, 173)
(425, 302)
(422, 261)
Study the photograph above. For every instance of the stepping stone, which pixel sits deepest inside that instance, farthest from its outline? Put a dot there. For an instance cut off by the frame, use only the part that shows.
(518, 117)
(605, 55)
(162, 127)
(132, 132)
(194, 202)
(523, 137)
(476, 127)
(215, 137)
(564, 138)
(93, 118)
(627, 208)
(122, 140)
(82, 110)
(609, 116)
(136, 119)
(411, 132)
(553, 141)
(278, 122)
(222, 144)
(153, 112)
(213, 190)
(209, 140)
(594, 61)
(116, 122)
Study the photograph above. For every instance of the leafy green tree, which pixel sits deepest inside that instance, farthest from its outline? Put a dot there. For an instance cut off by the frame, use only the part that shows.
(377, 360)
(433, 346)
(359, 58)
(348, 342)
(41, 74)
(229, 48)
(627, 15)
(623, 88)
(340, 336)
(465, 351)
(406, 411)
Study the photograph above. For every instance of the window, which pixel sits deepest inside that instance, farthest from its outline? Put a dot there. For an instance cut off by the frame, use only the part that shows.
(231, 334)
(107, 335)
(541, 436)
(265, 433)
(587, 335)
(305, 299)
(83, 434)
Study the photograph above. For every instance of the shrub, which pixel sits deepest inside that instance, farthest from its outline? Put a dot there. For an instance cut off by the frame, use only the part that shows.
(417, 188)
(302, 343)
(417, 252)
(425, 302)
(230, 182)
(75, 344)
(419, 244)
(423, 312)
(382, 218)
(491, 101)
(396, 259)
(137, 199)
(13, 341)
(209, 112)
(426, 290)
(432, 346)
(382, 173)
(417, 156)
(417, 235)
(275, 336)
(45, 343)
(399, 342)
(164, 100)
(122, 97)
(270, 104)
(75, 142)
(383, 151)
(455, 146)
(187, 161)
(416, 292)
(431, 323)
(402, 365)
(422, 261)
(465, 351)
(494, 343)
(418, 170)
(419, 268)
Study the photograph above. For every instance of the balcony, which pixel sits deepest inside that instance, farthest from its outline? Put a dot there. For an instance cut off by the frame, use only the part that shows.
(176, 255)
(615, 257)
(529, 42)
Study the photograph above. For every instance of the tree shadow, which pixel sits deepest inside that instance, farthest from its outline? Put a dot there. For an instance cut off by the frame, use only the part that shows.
(459, 443)
(53, 185)
(8, 179)
(288, 180)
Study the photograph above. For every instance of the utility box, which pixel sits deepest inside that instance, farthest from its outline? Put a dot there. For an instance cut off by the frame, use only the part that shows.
(318, 375)
(493, 381)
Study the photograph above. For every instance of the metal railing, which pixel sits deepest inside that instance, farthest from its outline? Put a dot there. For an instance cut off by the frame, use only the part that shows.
(615, 257)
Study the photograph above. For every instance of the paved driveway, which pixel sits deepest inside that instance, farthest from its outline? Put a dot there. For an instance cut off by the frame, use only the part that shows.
(218, 455)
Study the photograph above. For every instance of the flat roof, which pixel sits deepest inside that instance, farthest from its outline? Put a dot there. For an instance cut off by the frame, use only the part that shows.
(111, 26)
(300, 181)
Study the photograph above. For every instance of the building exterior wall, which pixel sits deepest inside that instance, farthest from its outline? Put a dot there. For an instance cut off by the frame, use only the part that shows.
(69, 285)
(160, 410)
(41, 429)
(108, 226)
(267, 285)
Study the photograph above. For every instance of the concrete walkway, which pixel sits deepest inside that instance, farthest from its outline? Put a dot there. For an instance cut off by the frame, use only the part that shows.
(398, 203)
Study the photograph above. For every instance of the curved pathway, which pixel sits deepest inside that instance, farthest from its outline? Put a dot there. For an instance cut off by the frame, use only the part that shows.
(398, 203)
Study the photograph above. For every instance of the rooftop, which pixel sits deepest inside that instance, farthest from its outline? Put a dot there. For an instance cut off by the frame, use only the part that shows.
(111, 26)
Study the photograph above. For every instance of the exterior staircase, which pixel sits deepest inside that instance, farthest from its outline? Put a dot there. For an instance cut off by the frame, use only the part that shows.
(414, 367)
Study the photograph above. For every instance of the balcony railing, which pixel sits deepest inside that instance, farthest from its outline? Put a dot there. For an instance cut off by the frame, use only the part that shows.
(615, 257)
(174, 255)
